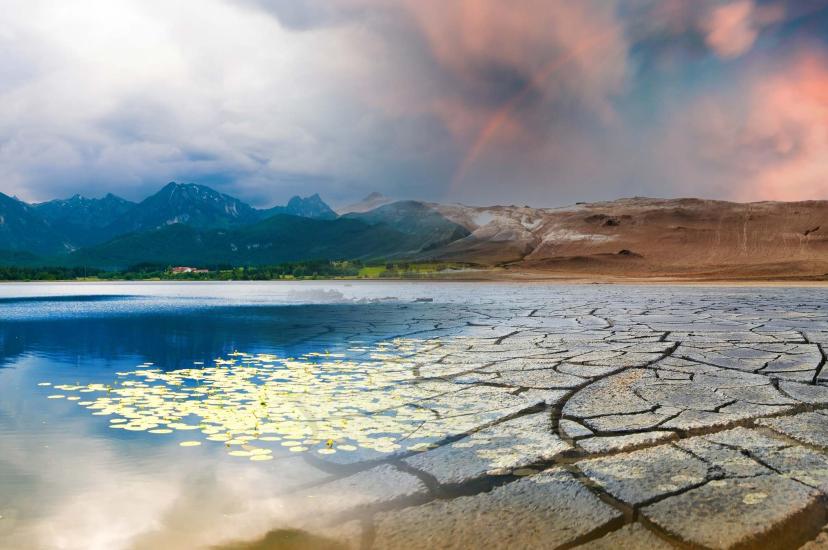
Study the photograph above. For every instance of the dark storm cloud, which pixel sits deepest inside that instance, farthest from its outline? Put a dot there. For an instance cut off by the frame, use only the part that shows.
(540, 101)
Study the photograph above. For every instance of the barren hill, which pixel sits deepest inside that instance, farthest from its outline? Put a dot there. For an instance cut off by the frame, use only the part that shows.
(646, 237)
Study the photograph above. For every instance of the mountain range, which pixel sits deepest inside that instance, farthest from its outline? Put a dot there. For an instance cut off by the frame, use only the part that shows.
(185, 223)
(189, 224)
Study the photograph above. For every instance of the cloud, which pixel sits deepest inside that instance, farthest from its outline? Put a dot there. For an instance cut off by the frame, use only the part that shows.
(765, 138)
(541, 101)
(161, 91)
(346, 96)
(506, 67)
(732, 28)
(788, 122)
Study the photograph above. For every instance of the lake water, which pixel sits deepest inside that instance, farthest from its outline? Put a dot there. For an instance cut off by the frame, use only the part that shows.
(184, 415)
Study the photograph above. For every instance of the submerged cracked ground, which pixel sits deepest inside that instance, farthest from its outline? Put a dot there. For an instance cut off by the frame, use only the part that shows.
(491, 416)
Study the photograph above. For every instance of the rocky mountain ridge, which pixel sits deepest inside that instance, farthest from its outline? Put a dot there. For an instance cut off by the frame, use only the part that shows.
(642, 237)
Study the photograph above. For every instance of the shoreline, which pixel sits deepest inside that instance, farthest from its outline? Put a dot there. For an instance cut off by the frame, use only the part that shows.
(482, 277)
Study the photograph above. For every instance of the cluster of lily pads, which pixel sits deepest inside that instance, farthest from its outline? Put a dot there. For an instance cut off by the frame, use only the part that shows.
(320, 402)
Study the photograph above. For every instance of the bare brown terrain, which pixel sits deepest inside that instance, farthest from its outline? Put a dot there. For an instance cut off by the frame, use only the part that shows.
(691, 239)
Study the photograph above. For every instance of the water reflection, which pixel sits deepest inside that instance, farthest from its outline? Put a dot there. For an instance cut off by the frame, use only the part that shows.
(69, 480)
(177, 339)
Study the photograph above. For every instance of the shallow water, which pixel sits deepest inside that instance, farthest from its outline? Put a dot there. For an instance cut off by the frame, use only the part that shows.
(269, 387)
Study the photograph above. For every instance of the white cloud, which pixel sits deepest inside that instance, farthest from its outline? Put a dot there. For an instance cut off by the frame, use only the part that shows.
(126, 92)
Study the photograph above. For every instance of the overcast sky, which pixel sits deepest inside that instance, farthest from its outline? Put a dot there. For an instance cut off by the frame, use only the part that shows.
(541, 102)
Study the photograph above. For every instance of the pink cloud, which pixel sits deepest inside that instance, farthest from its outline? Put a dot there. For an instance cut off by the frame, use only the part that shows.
(533, 95)
(791, 112)
(730, 28)
(565, 52)
(769, 139)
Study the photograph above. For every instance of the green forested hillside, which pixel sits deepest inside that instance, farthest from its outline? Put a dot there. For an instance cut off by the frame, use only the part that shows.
(276, 240)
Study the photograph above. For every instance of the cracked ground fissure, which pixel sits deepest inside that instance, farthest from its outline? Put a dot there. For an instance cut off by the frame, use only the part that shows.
(689, 393)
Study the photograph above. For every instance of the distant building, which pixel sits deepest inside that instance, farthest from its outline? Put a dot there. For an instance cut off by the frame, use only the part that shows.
(184, 269)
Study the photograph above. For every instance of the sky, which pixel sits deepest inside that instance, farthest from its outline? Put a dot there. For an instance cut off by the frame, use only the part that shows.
(538, 102)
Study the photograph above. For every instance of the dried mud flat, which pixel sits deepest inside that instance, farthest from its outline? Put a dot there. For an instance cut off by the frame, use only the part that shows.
(660, 419)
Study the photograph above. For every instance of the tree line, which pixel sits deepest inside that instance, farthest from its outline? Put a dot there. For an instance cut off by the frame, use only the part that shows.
(310, 269)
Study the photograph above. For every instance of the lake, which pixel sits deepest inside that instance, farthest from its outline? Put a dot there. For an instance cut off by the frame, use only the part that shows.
(153, 415)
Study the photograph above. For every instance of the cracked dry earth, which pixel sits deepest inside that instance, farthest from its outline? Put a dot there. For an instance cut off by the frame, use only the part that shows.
(690, 420)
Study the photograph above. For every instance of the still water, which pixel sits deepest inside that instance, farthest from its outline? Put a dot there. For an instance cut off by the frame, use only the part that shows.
(158, 415)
